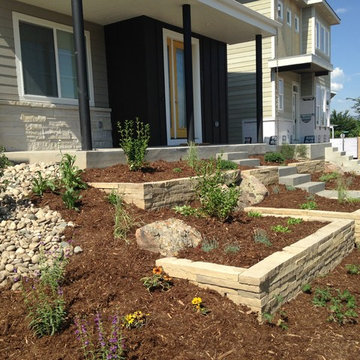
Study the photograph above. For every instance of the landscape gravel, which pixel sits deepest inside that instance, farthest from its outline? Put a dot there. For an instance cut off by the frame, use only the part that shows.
(29, 236)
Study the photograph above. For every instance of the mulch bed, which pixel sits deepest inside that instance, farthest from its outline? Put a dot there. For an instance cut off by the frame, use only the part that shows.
(351, 181)
(267, 163)
(155, 171)
(105, 278)
(280, 197)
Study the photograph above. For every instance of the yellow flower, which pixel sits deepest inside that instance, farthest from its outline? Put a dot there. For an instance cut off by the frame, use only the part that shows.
(157, 270)
(196, 301)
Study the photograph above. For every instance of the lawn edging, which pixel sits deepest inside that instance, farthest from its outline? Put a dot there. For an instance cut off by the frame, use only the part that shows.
(157, 194)
(283, 273)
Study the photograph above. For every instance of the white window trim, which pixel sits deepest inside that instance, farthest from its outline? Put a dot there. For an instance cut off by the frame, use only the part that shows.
(19, 72)
(296, 21)
(320, 26)
(196, 86)
(288, 17)
(281, 17)
(281, 104)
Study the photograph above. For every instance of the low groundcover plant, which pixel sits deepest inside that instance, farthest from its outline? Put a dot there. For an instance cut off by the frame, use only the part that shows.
(159, 280)
(199, 307)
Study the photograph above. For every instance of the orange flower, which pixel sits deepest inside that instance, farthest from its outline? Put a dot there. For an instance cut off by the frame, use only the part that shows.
(167, 278)
(157, 270)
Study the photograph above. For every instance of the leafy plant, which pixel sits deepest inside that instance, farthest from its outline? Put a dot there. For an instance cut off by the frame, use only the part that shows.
(41, 184)
(123, 220)
(199, 306)
(274, 157)
(208, 245)
(217, 199)
(4, 161)
(134, 320)
(280, 229)
(223, 164)
(177, 170)
(70, 174)
(287, 151)
(186, 210)
(71, 198)
(134, 140)
(113, 197)
(107, 345)
(255, 214)
(352, 269)
(290, 188)
(329, 176)
(301, 151)
(159, 280)
(192, 156)
(322, 297)
(309, 205)
(260, 236)
(294, 221)
(307, 289)
(232, 248)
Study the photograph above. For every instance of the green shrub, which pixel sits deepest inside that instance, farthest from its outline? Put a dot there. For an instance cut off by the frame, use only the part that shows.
(287, 151)
(71, 198)
(113, 197)
(274, 157)
(70, 174)
(306, 289)
(40, 184)
(177, 170)
(353, 269)
(309, 205)
(134, 140)
(226, 164)
(294, 221)
(255, 214)
(290, 188)
(186, 210)
(280, 229)
(330, 176)
(217, 199)
(4, 161)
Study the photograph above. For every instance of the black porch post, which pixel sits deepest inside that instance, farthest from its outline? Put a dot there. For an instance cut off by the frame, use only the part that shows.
(82, 81)
(259, 90)
(189, 98)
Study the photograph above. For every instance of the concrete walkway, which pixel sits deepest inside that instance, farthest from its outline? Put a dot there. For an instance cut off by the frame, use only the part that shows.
(333, 194)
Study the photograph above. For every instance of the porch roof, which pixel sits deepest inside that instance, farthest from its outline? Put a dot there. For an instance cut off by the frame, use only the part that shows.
(224, 20)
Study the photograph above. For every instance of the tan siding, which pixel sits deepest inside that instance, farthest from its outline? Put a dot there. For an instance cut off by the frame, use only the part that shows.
(261, 6)
(307, 30)
(8, 89)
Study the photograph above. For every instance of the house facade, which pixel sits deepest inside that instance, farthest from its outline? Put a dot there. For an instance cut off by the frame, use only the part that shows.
(296, 74)
(135, 65)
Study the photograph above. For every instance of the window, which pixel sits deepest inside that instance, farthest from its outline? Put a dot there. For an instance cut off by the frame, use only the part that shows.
(322, 105)
(322, 38)
(281, 95)
(280, 10)
(45, 57)
(288, 17)
(296, 23)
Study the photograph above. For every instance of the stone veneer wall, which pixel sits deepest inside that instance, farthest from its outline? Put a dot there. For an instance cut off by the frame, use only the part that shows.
(44, 126)
(282, 273)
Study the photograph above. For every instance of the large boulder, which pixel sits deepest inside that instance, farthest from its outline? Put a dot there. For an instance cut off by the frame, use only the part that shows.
(253, 191)
(167, 237)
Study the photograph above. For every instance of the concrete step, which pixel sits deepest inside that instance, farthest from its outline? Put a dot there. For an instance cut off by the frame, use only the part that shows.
(312, 186)
(295, 179)
(247, 162)
(236, 155)
(286, 170)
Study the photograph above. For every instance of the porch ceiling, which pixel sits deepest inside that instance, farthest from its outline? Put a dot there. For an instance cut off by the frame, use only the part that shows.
(224, 20)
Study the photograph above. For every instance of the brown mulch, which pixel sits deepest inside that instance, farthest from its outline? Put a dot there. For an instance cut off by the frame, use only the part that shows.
(351, 181)
(156, 171)
(280, 197)
(105, 278)
(267, 163)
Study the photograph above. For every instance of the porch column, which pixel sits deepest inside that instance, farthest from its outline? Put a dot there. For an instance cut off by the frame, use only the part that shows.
(189, 97)
(259, 89)
(82, 80)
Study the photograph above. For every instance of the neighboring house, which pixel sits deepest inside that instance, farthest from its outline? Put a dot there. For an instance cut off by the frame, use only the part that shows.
(296, 74)
(135, 65)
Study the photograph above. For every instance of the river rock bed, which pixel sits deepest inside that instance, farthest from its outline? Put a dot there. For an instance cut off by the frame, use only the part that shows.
(29, 236)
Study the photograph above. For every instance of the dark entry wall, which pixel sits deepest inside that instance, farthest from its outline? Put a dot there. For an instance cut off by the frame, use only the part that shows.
(135, 63)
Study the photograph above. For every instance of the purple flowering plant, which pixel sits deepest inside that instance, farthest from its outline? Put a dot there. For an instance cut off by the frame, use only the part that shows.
(99, 344)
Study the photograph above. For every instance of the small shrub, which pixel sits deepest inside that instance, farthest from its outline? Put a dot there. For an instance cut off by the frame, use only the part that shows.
(223, 164)
(290, 188)
(177, 170)
(352, 269)
(208, 245)
(113, 198)
(309, 205)
(328, 177)
(321, 297)
(192, 157)
(232, 248)
(294, 221)
(71, 198)
(280, 229)
(287, 151)
(255, 214)
(186, 210)
(40, 184)
(123, 220)
(301, 151)
(199, 306)
(70, 174)
(4, 161)
(134, 140)
(274, 157)
(159, 280)
(306, 289)
(260, 236)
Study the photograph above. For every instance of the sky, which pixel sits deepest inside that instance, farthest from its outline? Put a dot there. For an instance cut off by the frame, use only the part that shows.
(345, 54)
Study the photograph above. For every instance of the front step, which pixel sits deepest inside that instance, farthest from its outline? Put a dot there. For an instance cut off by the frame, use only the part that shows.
(295, 179)
(236, 155)
(287, 170)
(312, 187)
(247, 162)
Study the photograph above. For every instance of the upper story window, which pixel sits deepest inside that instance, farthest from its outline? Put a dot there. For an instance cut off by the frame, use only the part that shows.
(281, 95)
(45, 58)
(296, 23)
(288, 17)
(322, 38)
(280, 10)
